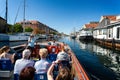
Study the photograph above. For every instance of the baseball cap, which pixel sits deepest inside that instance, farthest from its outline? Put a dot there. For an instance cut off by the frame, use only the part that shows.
(63, 56)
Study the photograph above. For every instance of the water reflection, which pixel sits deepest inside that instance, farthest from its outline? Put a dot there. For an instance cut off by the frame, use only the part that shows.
(109, 58)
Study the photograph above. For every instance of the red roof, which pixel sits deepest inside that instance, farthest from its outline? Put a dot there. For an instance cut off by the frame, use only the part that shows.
(91, 25)
(111, 18)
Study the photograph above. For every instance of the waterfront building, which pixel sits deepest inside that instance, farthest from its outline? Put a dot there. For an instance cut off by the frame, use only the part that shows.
(100, 32)
(113, 31)
(44, 29)
(2, 25)
(86, 33)
(108, 28)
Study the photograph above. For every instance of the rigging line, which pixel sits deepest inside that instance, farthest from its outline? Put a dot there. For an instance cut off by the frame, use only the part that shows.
(17, 13)
(2, 8)
(9, 19)
(2, 11)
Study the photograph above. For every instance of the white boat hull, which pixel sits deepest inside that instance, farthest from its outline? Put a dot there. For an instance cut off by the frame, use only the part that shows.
(18, 38)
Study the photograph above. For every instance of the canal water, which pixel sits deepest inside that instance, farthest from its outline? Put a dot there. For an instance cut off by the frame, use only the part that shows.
(99, 63)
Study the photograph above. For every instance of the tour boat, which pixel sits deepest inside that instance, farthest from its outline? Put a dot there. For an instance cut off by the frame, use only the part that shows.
(79, 71)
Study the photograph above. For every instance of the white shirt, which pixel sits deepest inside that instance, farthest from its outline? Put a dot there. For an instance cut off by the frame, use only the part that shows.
(42, 66)
(22, 63)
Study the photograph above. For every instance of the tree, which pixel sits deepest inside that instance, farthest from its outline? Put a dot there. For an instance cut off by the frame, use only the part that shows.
(17, 28)
(10, 28)
(28, 29)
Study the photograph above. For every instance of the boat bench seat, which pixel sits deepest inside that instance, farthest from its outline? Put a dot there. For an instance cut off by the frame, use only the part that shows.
(6, 64)
(5, 73)
(40, 76)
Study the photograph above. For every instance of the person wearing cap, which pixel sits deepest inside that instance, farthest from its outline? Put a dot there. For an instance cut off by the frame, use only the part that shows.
(31, 41)
(23, 62)
(64, 72)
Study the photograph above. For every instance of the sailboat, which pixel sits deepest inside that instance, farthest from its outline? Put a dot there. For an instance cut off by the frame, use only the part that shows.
(73, 35)
(20, 36)
(15, 37)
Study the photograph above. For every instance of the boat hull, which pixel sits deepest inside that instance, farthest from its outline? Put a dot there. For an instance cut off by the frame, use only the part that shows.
(86, 38)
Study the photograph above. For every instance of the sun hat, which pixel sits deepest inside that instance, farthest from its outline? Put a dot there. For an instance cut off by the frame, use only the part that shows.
(62, 56)
(26, 53)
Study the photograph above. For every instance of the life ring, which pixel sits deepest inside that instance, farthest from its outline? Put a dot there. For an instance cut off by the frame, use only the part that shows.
(53, 49)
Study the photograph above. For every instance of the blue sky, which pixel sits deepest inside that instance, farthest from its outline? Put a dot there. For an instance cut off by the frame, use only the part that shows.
(62, 15)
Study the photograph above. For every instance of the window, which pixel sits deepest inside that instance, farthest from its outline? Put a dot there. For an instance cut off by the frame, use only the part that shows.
(104, 31)
(110, 32)
(118, 32)
(100, 32)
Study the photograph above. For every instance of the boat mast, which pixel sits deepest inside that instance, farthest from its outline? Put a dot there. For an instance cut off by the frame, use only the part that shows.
(6, 14)
(24, 17)
(74, 32)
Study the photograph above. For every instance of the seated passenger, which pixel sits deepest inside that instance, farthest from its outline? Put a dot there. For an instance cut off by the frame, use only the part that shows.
(63, 74)
(64, 59)
(53, 50)
(23, 62)
(42, 65)
(54, 43)
(68, 51)
(27, 73)
(4, 53)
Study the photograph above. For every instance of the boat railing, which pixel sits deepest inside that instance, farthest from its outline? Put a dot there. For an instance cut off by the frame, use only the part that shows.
(80, 73)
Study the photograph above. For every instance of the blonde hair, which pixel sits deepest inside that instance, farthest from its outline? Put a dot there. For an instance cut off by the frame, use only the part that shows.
(43, 52)
(4, 49)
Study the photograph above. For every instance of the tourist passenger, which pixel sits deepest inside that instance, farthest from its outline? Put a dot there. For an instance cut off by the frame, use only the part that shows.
(4, 53)
(23, 62)
(64, 58)
(42, 65)
(63, 74)
(27, 73)
(64, 68)
(54, 43)
(67, 50)
(31, 43)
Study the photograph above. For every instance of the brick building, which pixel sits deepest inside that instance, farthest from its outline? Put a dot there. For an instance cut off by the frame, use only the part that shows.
(2, 25)
(36, 24)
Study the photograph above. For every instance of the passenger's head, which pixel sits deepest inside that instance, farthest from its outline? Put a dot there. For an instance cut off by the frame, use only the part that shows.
(27, 73)
(4, 49)
(26, 53)
(63, 56)
(43, 52)
(63, 60)
(66, 49)
(31, 35)
(64, 74)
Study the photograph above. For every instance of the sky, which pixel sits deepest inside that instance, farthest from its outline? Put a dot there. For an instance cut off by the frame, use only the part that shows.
(62, 15)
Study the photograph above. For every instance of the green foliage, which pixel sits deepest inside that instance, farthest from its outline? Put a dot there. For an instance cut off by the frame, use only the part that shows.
(28, 29)
(17, 28)
(10, 28)
(53, 33)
